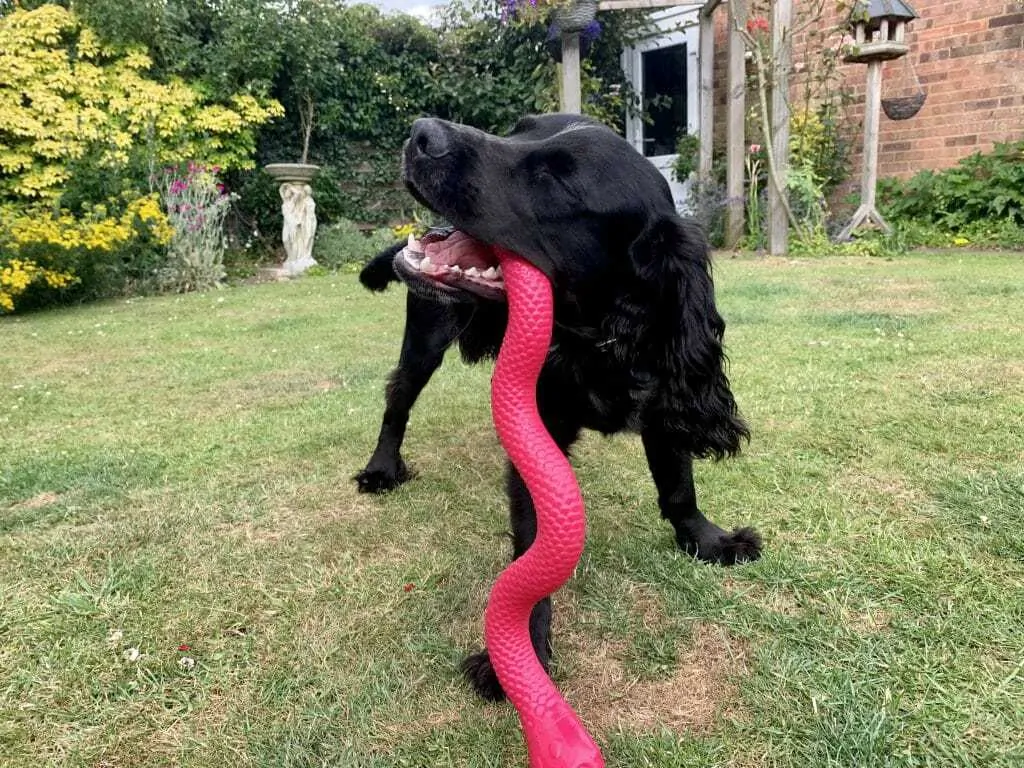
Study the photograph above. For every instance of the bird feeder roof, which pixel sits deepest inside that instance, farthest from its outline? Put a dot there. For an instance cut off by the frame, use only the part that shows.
(873, 11)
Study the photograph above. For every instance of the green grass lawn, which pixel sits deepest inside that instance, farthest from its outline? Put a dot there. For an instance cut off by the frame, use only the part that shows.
(175, 473)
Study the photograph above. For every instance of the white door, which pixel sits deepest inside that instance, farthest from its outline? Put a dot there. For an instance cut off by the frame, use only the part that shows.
(663, 71)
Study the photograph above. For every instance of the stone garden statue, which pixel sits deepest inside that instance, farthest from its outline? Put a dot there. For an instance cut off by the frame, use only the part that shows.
(299, 211)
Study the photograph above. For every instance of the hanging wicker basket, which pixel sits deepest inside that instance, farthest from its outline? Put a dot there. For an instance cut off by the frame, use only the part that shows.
(903, 107)
(576, 16)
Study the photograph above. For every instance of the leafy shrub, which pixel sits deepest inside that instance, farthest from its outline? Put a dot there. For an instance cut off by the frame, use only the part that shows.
(196, 205)
(19, 275)
(817, 146)
(688, 160)
(807, 198)
(706, 204)
(105, 250)
(343, 244)
(81, 125)
(865, 243)
(65, 97)
(981, 191)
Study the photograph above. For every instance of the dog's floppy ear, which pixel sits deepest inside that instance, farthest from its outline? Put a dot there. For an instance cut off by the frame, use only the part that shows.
(680, 328)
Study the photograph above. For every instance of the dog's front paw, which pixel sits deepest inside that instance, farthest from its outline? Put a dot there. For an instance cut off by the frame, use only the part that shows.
(743, 545)
(378, 478)
(481, 675)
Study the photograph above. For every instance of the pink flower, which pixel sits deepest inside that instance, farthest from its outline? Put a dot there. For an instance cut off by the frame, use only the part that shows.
(757, 24)
(755, 148)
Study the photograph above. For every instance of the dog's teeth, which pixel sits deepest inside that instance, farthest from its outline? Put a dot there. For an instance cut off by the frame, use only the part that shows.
(473, 272)
(454, 268)
(490, 273)
(426, 262)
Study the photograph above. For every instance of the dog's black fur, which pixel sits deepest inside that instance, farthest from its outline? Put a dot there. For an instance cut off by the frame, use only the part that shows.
(637, 343)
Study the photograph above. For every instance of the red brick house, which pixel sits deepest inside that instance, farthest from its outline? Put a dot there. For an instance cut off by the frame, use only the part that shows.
(968, 55)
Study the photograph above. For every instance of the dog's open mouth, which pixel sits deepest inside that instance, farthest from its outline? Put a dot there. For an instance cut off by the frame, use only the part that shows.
(450, 262)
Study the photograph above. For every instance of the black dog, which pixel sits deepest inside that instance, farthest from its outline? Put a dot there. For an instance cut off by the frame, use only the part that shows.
(637, 342)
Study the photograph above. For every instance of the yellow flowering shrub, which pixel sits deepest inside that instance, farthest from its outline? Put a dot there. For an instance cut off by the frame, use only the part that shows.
(402, 231)
(75, 116)
(17, 275)
(63, 95)
(45, 250)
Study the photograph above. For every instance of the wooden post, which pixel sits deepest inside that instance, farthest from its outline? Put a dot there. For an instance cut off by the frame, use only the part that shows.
(736, 139)
(571, 98)
(706, 62)
(867, 212)
(782, 46)
(872, 104)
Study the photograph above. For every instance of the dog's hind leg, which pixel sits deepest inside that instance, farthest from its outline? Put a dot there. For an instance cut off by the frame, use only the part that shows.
(430, 328)
(672, 469)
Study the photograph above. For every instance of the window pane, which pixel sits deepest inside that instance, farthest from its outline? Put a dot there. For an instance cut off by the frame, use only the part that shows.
(664, 99)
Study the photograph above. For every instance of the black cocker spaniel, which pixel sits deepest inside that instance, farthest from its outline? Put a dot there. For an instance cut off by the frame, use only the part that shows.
(637, 343)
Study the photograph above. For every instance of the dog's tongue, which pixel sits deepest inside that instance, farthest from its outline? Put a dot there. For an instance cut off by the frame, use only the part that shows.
(459, 248)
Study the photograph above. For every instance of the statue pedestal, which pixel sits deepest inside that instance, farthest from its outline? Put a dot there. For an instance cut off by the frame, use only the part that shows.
(299, 212)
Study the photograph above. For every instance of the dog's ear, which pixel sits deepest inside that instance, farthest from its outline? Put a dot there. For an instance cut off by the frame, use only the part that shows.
(675, 322)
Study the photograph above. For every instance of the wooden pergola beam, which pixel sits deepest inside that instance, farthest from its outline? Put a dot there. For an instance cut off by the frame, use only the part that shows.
(706, 64)
(782, 46)
(572, 97)
(737, 113)
(629, 5)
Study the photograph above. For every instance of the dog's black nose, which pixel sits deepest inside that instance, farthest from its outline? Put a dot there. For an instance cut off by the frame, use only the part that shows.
(430, 137)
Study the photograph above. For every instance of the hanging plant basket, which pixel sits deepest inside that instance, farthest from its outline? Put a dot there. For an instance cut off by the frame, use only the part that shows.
(575, 16)
(903, 107)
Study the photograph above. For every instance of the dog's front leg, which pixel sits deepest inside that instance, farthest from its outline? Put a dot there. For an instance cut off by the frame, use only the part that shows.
(672, 470)
(430, 328)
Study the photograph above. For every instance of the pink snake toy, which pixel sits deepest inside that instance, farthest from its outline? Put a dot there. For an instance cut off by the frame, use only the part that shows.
(555, 737)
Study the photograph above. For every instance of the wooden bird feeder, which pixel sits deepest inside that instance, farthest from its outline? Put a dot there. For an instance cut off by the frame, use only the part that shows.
(879, 30)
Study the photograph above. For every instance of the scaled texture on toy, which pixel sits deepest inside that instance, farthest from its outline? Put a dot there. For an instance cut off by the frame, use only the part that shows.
(555, 737)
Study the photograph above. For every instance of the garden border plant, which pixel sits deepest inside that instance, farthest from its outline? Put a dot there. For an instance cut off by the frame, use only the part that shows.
(979, 201)
(82, 124)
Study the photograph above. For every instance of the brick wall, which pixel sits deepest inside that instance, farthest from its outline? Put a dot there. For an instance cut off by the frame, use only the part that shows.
(968, 55)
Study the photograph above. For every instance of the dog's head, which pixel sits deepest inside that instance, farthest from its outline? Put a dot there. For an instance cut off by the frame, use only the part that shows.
(562, 191)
